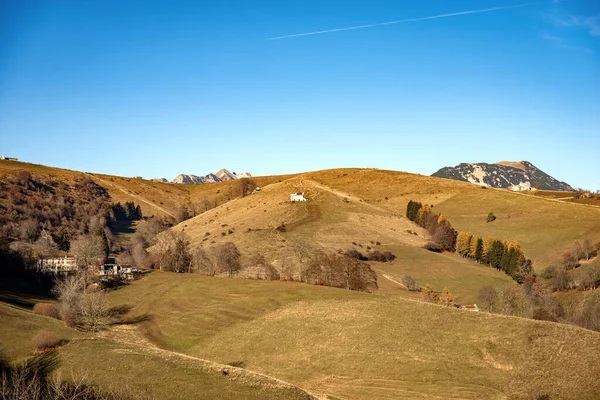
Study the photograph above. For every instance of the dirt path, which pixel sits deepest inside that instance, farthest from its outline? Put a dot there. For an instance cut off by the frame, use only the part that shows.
(130, 336)
(135, 196)
(351, 198)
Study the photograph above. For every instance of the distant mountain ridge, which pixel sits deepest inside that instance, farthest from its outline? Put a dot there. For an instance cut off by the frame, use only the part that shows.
(521, 175)
(221, 176)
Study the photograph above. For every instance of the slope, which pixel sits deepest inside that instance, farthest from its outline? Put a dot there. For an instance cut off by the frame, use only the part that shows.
(287, 233)
(355, 345)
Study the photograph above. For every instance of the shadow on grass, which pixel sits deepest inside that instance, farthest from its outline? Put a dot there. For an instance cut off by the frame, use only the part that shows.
(119, 313)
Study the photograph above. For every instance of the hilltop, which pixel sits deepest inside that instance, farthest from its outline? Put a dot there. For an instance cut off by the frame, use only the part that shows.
(504, 174)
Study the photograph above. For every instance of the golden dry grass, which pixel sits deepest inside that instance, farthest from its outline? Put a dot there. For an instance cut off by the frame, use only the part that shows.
(354, 345)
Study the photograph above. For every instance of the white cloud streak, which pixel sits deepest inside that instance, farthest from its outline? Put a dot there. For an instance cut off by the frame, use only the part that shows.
(402, 21)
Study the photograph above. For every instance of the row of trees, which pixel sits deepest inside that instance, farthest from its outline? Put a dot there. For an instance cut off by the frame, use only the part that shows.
(503, 255)
(126, 212)
(442, 233)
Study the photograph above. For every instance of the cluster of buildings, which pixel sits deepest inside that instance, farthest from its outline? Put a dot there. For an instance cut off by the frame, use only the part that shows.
(65, 265)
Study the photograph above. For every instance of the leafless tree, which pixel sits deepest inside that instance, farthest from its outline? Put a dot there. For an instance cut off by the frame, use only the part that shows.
(94, 311)
(89, 252)
(227, 258)
(68, 291)
(587, 249)
(203, 262)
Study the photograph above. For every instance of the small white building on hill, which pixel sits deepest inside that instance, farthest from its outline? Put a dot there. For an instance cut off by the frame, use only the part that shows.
(297, 197)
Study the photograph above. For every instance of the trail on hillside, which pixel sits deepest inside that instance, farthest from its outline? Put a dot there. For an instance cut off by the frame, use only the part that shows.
(130, 336)
(135, 196)
(349, 197)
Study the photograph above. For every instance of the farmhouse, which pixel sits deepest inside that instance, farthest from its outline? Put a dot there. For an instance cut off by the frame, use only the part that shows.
(57, 265)
(8, 158)
(112, 268)
(521, 187)
(297, 197)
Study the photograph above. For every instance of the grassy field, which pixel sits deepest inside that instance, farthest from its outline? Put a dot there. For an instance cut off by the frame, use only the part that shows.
(108, 362)
(355, 345)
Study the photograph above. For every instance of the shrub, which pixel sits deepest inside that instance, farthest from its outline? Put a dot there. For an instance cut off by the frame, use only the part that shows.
(491, 217)
(45, 340)
(46, 309)
(548, 272)
(410, 283)
(433, 247)
(353, 253)
(381, 257)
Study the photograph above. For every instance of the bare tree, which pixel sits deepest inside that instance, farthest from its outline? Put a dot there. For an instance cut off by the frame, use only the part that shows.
(587, 249)
(89, 252)
(68, 291)
(94, 311)
(227, 258)
(203, 262)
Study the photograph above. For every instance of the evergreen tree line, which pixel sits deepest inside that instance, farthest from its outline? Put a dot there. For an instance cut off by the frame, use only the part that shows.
(127, 212)
(503, 255)
(441, 231)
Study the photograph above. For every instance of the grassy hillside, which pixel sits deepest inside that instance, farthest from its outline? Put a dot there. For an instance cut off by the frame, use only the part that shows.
(355, 345)
(333, 220)
(544, 228)
(155, 198)
(109, 362)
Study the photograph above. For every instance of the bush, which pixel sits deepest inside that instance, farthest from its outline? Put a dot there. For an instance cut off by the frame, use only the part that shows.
(381, 257)
(47, 310)
(491, 217)
(45, 340)
(410, 283)
(548, 272)
(353, 253)
(433, 247)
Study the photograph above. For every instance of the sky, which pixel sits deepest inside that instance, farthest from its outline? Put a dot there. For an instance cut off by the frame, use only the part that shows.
(156, 88)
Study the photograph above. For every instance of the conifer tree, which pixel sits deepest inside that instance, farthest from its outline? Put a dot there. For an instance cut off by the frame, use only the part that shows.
(479, 250)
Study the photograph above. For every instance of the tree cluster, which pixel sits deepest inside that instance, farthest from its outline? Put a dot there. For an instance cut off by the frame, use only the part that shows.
(81, 307)
(442, 233)
(503, 255)
(48, 208)
(339, 270)
(580, 252)
(126, 212)
(376, 255)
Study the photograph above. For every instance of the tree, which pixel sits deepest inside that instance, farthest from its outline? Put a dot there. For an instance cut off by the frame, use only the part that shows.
(577, 251)
(570, 261)
(68, 292)
(587, 249)
(561, 280)
(463, 241)
(94, 312)
(62, 238)
(445, 237)
(446, 298)
(429, 295)
(227, 258)
(182, 259)
(496, 253)
(487, 298)
(204, 263)
(491, 217)
(89, 251)
(479, 250)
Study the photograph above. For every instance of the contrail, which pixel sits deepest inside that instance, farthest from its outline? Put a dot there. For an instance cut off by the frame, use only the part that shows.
(402, 21)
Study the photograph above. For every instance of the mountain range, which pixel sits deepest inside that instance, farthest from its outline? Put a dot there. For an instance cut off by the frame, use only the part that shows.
(221, 176)
(521, 175)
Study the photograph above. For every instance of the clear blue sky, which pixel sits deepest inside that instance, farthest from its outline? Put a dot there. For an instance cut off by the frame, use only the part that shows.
(157, 88)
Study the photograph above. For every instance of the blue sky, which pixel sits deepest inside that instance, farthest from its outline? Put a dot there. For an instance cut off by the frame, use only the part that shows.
(161, 88)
